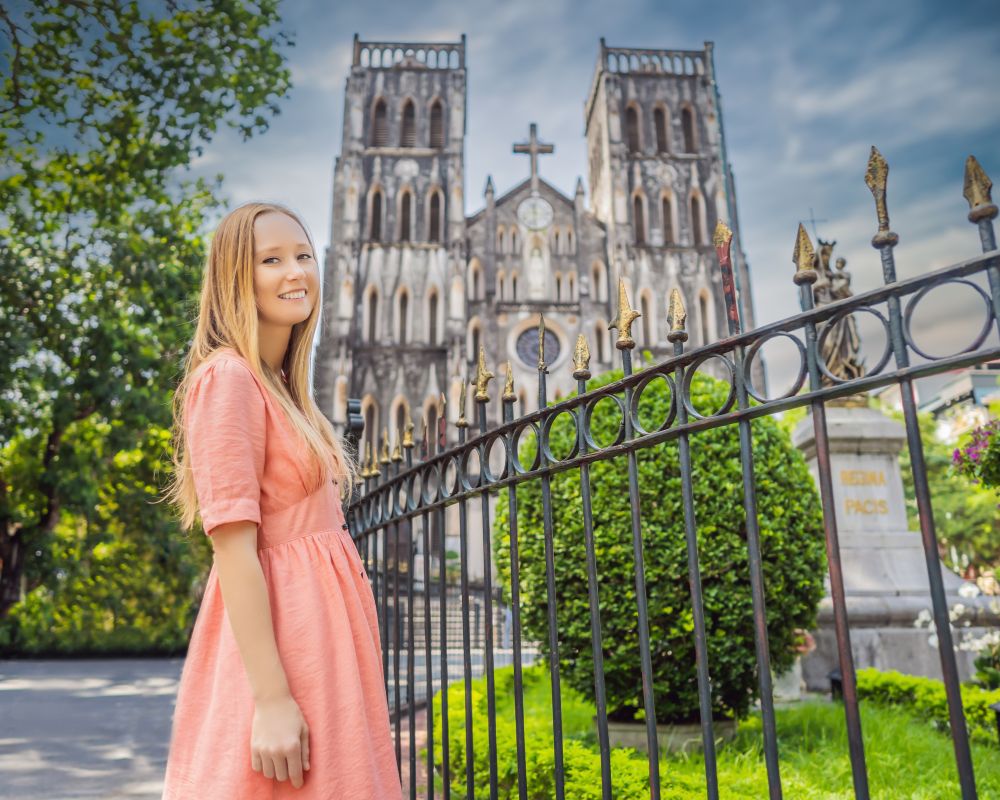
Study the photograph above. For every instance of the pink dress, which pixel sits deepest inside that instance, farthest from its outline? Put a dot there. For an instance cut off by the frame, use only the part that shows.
(246, 467)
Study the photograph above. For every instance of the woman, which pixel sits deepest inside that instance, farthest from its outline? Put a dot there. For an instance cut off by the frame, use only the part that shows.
(282, 693)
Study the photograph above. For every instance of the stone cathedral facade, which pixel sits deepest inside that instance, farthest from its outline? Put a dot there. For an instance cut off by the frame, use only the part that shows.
(413, 286)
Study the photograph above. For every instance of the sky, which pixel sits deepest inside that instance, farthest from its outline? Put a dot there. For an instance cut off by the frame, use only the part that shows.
(806, 90)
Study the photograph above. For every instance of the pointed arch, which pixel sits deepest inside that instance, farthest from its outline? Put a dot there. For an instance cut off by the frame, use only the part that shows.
(405, 215)
(513, 287)
(434, 215)
(474, 290)
(370, 414)
(376, 212)
(408, 125)
(639, 217)
(599, 281)
(379, 124)
(514, 241)
(402, 321)
(697, 212)
(473, 338)
(572, 287)
(668, 219)
(559, 285)
(501, 239)
(689, 129)
(400, 412)
(570, 244)
(433, 308)
(661, 122)
(633, 128)
(370, 314)
(501, 279)
(555, 241)
(437, 124)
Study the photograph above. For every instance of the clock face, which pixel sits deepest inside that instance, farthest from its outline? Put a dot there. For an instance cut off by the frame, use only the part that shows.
(527, 346)
(534, 213)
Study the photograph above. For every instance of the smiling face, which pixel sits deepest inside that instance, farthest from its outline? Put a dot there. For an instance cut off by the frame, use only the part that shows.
(285, 273)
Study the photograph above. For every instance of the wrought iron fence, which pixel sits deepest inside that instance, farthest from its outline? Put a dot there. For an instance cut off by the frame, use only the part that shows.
(411, 487)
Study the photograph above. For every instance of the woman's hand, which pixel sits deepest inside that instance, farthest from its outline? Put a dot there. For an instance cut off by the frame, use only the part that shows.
(279, 740)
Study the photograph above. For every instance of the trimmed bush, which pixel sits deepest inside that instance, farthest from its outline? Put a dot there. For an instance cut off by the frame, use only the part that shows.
(925, 698)
(793, 555)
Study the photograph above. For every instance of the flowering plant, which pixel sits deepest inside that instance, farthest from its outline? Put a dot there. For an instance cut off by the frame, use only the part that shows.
(979, 459)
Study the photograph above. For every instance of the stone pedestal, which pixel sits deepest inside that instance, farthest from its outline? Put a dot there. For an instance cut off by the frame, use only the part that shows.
(885, 572)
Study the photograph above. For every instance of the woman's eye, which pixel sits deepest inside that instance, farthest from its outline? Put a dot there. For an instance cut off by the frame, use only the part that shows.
(305, 254)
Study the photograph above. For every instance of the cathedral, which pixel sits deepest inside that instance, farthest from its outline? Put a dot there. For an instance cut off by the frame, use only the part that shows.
(413, 286)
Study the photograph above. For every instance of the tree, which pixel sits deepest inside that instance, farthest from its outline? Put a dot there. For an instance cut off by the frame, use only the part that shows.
(792, 545)
(101, 245)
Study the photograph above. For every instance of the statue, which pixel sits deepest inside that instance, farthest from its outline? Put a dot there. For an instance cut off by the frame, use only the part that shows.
(841, 341)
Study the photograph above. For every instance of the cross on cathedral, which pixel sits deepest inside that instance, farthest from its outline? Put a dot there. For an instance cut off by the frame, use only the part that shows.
(533, 148)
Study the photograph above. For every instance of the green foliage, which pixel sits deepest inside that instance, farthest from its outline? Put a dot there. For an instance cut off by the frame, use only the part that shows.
(101, 252)
(792, 549)
(925, 698)
(815, 763)
(965, 513)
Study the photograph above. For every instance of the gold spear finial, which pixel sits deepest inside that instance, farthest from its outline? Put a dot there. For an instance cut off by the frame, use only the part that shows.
(581, 359)
(483, 377)
(442, 404)
(462, 400)
(977, 191)
(877, 177)
(623, 322)
(508, 385)
(365, 465)
(397, 450)
(424, 435)
(408, 432)
(373, 470)
(723, 235)
(804, 258)
(384, 455)
(542, 366)
(676, 317)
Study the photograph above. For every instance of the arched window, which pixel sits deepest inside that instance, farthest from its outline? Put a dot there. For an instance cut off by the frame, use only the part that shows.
(500, 282)
(639, 220)
(703, 314)
(513, 241)
(370, 426)
(696, 230)
(572, 287)
(434, 234)
(599, 343)
(432, 319)
(408, 130)
(660, 120)
(477, 284)
(632, 129)
(513, 286)
(569, 242)
(600, 288)
(404, 308)
(372, 316)
(437, 125)
(647, 338)
(667, 212)
(687, 124)
(375, 223)
(501, 240)
(558, 287)
(555, 242)
(405, 204)
(380, 125)
(400, 416)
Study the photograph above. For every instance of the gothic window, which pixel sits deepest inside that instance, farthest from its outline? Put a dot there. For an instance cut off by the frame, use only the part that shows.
(638, 220)
(668, 220)
(555, 242)
(632, 129)
(697, 233)
(660, 120)
(572, 287)
(380, 125)
(558, 287)
(434, 234)
(703, 314)
(687, 124)
(513, 286)
(513, 241)
(404, 307)
(404, 217)
(599, 342)
(408, 131)
(372, 315)
(501, 240)
(500, 283)
(432, 319)
(477, 287)
(437, 125)
(400, 416)
(569, 241)
(375, 224)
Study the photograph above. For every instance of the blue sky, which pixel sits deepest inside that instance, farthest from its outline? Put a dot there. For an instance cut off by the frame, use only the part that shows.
(806, 90)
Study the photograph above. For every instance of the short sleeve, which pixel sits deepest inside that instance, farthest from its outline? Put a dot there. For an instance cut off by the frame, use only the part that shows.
(226, 435)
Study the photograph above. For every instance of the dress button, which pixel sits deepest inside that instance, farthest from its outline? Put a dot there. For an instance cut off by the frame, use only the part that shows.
(344, 526)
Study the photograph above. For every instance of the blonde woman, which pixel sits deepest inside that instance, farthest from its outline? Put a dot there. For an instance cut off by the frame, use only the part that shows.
(281, 694)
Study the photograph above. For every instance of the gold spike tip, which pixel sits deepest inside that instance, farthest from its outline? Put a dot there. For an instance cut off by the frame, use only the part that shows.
(508, 384)
(408, 433)
(581, 359)
(397, 450)
(877, 178)
(462, 402)
(623, 322)
(723, 235)
(804, 258)
(676, 317)
(977, 191)
(483, 377)
(384, 454)
(366, 459)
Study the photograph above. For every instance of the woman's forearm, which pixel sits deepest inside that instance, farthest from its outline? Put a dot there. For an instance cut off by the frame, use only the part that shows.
(244, 593)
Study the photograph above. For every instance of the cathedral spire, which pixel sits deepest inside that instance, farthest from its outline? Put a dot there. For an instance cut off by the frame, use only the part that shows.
(489, 186)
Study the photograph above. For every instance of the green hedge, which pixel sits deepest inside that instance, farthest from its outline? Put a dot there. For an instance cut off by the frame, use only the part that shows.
(926, 699)
(792, 543)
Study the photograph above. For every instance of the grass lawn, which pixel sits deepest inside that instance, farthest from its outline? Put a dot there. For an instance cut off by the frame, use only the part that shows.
(906, 758)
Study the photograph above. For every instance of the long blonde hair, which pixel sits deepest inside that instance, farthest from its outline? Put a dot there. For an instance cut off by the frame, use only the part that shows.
(227, 317)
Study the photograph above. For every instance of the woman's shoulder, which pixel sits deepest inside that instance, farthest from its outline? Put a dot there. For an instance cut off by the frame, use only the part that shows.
(226, 367)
